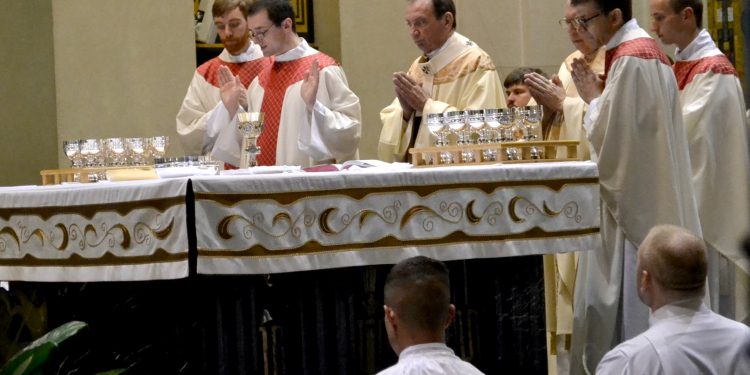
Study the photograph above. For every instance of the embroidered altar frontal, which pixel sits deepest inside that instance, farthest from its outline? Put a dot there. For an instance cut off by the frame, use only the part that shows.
(94, 232)
(296, 222)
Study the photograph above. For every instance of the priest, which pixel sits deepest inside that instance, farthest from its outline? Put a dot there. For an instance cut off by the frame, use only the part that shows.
(311, 115)
(452, 74)
(559, 95)
(634, 124)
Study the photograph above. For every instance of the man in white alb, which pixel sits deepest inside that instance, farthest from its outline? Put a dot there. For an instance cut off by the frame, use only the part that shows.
(196, 124)
(311, 115)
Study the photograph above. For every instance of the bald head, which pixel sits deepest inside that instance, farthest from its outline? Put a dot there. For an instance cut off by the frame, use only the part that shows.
(418, 290)
(675, 258)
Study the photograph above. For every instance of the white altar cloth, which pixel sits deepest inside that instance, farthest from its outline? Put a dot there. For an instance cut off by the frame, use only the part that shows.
(120, 231)
(295, 222)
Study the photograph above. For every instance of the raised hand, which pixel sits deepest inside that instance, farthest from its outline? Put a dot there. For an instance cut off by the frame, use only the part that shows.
(232, 91)
(310, 83)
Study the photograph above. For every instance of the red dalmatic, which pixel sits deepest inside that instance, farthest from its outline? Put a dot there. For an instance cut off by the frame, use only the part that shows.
(275, 79)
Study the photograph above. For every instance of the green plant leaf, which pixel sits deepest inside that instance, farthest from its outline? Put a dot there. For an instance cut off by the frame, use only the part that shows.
(31, 358)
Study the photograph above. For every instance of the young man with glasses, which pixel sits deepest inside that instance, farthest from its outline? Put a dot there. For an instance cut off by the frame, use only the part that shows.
(452, 74)
(713, 109)
(634, 125)
(311, 115)
(196, 123)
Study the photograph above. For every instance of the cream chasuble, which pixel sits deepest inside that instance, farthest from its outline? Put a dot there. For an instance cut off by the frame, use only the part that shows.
(636, 133)
(713, 109)
(196, 124)
(327, 135)
(560, 269)
(460, 76)
(574, 108)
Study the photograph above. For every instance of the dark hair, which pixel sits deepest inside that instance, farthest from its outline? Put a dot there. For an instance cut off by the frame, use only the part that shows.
(516, 77)
(607, 6)
(278, 11)
(441, 7)
(697, 5)
(418, 290)
(222, 7)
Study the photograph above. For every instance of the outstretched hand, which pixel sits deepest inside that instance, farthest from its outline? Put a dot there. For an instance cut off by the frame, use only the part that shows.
(232, 91)
(309, 90)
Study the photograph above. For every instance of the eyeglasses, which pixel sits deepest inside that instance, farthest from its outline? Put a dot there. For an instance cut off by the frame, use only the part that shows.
(259, 35)
(578, 23)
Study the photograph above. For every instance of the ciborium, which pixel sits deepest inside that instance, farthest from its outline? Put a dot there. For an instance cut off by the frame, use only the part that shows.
(251, 125)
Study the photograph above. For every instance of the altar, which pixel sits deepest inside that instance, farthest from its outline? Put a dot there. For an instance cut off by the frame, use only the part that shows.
(283, 273)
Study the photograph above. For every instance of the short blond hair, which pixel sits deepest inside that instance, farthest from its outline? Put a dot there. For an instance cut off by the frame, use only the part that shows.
(675, 258)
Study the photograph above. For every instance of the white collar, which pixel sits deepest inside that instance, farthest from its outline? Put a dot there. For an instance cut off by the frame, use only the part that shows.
(252, 52)
(303, 49)
(421, 349)
(432, 54)
(686, 307)
(629, 31)
(702, 46)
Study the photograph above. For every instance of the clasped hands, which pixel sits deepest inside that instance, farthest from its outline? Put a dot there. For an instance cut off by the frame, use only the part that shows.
(590, 86)
(409, 93)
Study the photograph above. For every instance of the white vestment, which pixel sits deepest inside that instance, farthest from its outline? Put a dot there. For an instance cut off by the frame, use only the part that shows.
(329, 134)
(196, 124)
(459, 76)
(430, 359)
(560, 269)
(713, 109)
(684, 338)
(637, 137)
